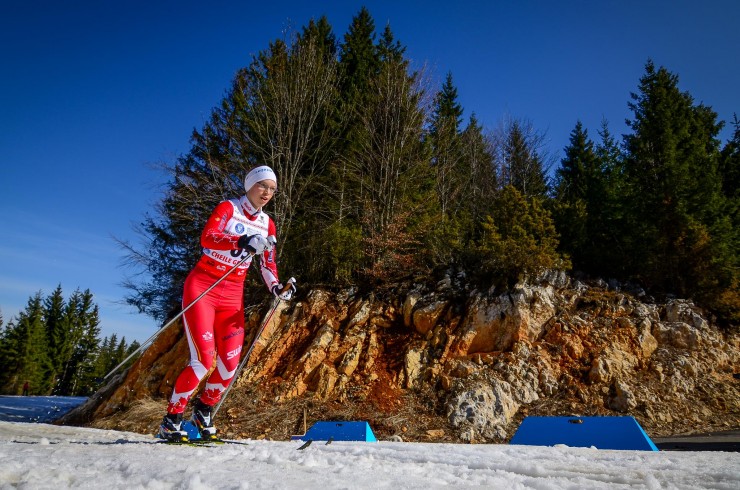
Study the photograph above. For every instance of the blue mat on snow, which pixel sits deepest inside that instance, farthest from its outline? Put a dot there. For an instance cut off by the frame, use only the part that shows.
(598, 432)
(338, 431)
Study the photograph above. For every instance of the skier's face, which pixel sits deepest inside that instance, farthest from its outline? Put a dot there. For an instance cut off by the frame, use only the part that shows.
(261, 193)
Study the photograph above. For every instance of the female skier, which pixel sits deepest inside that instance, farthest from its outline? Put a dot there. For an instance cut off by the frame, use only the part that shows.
(236, 229)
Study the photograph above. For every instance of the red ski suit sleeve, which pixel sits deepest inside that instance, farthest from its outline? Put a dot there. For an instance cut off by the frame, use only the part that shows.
(213, 235)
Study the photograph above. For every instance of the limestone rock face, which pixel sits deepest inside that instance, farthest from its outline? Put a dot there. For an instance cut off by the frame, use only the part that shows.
(449, 364)
(495, 324)
(484, 409)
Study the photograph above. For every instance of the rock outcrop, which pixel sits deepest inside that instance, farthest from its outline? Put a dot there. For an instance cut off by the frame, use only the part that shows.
(434, 363)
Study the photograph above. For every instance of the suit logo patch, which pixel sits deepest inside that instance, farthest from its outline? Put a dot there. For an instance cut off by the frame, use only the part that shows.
(234, 353)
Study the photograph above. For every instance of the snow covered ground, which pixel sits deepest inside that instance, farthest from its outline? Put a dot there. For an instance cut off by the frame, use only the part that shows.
(41, 456)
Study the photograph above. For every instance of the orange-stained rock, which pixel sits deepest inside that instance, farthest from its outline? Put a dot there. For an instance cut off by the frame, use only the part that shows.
(537, 349)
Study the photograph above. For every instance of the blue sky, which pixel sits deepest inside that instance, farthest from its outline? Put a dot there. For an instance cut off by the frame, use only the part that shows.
(94, 94)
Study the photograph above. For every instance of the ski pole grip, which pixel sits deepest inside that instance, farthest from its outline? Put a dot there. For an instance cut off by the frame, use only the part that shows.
(288, 285)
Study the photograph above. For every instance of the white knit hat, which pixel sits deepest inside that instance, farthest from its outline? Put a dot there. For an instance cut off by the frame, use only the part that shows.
(258, 175)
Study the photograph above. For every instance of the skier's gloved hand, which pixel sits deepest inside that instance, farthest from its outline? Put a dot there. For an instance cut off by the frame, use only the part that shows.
(286, 295)
(255, 244)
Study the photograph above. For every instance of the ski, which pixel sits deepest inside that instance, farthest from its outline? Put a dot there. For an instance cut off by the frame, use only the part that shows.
(217, 442)
(173, 443)
(304, 446)
(202, 442)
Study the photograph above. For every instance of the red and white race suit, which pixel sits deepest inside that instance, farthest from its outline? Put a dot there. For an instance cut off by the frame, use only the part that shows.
(215, 324)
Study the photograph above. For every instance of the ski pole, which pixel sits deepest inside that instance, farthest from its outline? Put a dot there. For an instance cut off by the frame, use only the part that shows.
(173, 320)
(243, 363)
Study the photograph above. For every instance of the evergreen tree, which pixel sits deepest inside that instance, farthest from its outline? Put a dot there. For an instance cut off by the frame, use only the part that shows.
(580, 188)
(75, 323)
(358, 57)
(674, 187)
(452, 174)
(35, 366)
(518, 242)
(730, 164)
(80, 369)
(56, 332)
(86, 351)
(120, 350)
(321, 34)
(110, 354)
(389, 49)
(579, 169)
(727, 301)
(521, 159)
(479, 188)
(9, 347)
(482, 183)
(340, 242)
(104, 361)
(25, 356)
(447, 158)
(606, 256)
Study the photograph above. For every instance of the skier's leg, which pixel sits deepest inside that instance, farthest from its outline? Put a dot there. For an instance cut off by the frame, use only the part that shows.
(198, 323)
(229, 339)
(198, 326)
(228, 348)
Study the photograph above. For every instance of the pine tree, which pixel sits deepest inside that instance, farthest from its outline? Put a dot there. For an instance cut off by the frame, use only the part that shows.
(340, 242)
(447, 157)
(85, 382)
(579, 169)
(482, 182)
(606, 256)
(104, 361)
(80, 369)
(726, 301)
(26, 351)
(579, 195)
(521, 159)
(451, 173)
(56, 333)
(519, 241)
(358, 57)
(730, 164)
(75, 324)
(479, 188)
(390, 49)
(9, 348)
(321, 34)
(119, 353)
(674, 187)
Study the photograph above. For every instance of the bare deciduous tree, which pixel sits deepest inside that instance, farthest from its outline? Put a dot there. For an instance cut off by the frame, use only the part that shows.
(389, 163)
(289, 124)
